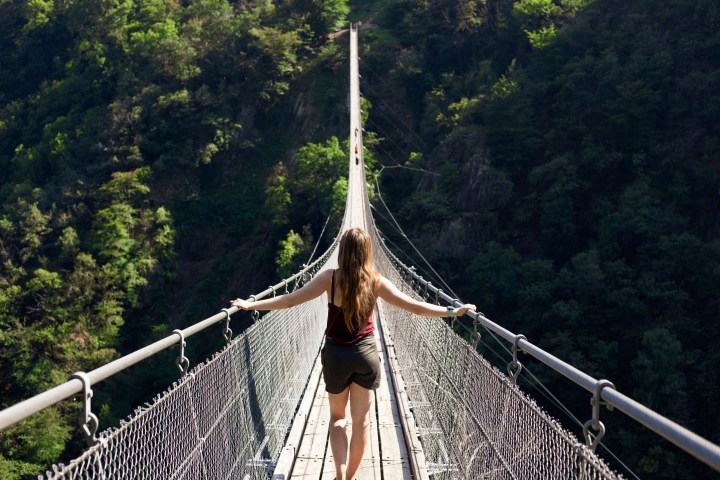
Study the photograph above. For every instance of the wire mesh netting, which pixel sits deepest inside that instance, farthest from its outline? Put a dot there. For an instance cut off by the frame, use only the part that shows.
(473, 422)
(228, 418)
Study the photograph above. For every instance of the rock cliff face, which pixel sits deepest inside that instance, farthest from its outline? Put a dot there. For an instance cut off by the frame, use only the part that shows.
(474, 190)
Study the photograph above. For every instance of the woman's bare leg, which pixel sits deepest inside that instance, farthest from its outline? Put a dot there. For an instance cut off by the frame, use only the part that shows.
(338, 434)
(360, 401)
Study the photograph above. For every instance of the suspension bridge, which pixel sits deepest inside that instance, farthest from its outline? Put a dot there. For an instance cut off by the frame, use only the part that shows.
(257, 409)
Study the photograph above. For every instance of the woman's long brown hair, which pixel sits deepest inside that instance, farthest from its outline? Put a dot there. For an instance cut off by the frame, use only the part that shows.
(357, 279)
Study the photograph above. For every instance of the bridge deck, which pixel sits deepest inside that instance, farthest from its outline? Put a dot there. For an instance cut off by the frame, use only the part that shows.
(387, 455)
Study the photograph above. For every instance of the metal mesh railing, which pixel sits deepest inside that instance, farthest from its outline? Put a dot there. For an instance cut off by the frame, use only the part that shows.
(228, 418)
(472, 421)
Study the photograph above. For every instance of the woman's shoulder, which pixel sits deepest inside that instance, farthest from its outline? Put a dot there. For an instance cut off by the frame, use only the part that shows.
(385, 285)
(328, 273)
(380, 282)
(324, 276)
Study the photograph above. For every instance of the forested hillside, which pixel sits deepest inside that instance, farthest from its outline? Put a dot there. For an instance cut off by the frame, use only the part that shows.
(141, 143)
(575, 151)
(158, 157)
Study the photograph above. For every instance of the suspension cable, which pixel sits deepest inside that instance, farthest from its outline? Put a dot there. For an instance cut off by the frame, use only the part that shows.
(377, 184)
(390, 89)
(430, 275)
(397, 247)
(319, 238)
(389, 137)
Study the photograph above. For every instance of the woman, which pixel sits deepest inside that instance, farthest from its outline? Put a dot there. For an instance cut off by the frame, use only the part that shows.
(351, 366)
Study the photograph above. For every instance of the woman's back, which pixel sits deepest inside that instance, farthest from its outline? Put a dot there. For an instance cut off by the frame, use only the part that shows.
(337, 328)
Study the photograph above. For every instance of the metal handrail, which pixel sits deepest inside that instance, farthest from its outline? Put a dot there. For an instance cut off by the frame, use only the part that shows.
(697, 446)
(26, 408)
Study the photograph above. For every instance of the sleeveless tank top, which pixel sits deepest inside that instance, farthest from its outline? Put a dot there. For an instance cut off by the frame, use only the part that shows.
(336, 328)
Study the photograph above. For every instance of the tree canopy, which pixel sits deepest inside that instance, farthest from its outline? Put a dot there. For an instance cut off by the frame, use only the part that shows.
(575, 143)
(555, 161)
(131, 132)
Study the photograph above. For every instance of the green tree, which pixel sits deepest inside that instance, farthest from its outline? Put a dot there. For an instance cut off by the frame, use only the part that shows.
(658, 371)
(277, 195)
(319, 167)
(32, 444)
(292, 253)
(324, 16)
(278, 56)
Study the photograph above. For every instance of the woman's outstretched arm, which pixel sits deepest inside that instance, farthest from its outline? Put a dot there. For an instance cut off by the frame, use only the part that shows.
(390, 293)
(313, 289)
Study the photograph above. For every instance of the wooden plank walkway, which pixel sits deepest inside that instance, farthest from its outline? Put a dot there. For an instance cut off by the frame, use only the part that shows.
(307, 454)
(386, 457)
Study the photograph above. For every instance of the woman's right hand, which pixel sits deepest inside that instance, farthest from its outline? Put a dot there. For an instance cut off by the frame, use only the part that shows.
(462, 310)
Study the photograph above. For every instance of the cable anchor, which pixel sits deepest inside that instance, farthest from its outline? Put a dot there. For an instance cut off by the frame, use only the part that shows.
(304, 274)
(182, 362)
(87, 420)
(596, 400)
(227, 333)
(437, 296)
(255, 313)
(475, 336)
(515, 367)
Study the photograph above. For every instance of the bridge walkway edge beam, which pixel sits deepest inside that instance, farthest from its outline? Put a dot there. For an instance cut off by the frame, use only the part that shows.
(286, 461)
(416, 454)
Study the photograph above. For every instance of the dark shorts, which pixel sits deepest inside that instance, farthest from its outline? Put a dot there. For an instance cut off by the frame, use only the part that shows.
(345, 364)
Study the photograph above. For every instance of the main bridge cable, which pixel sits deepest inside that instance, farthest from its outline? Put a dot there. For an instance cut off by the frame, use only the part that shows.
(388, 137)
(552, 398)
(385, 136)
(546, 393)
(404, 126)
(397, 247)
(379, 213)
(537, 382)
(533, 381)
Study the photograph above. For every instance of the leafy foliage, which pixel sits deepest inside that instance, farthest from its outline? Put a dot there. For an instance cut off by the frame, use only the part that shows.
(125, 128)
(566, 140)
(556, 159)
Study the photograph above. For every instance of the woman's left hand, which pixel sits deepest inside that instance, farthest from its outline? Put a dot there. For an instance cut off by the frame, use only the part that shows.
(241, 304)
